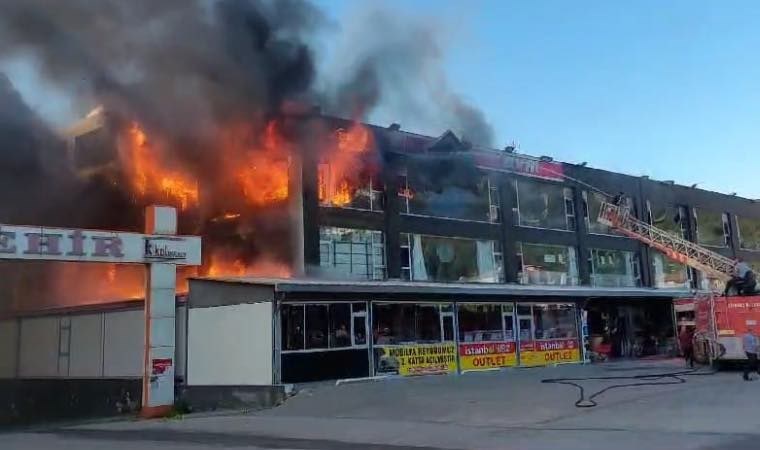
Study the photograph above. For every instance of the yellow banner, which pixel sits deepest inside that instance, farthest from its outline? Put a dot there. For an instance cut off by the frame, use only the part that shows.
(554, 351)
(424, 359)
(487, 355)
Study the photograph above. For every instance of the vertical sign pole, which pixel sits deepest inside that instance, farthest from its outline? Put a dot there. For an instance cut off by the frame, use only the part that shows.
(160, 310)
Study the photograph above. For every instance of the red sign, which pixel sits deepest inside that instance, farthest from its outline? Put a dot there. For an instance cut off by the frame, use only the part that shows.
(487, 355)
(486, 348)
(161, 365)
(523, 165)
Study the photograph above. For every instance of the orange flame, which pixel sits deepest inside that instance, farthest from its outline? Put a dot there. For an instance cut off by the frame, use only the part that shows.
(338, 183)
(150, 177)
(263, 176)
(230, 267)
(225, 217)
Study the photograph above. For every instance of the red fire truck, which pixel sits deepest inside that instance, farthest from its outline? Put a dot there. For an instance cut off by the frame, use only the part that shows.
(718, 321)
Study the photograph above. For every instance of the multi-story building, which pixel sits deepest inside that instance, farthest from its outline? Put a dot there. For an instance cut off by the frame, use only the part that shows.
(414, 254)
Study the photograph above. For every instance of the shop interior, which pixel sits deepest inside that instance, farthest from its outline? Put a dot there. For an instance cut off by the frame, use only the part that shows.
(631, 329)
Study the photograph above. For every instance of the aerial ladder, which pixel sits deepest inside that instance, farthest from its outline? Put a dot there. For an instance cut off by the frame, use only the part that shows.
(712, 264)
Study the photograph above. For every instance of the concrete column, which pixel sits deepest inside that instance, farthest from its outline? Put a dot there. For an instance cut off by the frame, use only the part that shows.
(160, 310)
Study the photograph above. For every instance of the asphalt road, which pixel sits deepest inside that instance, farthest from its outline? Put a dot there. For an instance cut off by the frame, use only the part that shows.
(497, 410)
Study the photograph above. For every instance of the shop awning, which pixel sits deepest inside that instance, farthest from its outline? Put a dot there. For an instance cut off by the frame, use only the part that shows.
(296, 286)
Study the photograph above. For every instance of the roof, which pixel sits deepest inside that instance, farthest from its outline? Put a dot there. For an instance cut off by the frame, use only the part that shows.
(301, 285)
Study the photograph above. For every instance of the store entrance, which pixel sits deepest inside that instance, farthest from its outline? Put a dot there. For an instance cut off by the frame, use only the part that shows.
(630, 329)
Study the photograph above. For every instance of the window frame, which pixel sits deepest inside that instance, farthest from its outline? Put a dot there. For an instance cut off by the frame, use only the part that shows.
(376, 241)
(635, 268)
(497, 252)
(324, 169)
(442, 315)
(725, 225)
(503, 312)
(352, 315)
(568, 205)
(737, 221)
(492, 194)
(572, 253)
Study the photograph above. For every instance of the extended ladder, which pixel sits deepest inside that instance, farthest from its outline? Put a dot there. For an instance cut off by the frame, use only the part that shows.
(713, 264)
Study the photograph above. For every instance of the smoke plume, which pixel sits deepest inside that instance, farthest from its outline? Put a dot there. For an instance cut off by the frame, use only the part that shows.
(204, 80)
(390, 61)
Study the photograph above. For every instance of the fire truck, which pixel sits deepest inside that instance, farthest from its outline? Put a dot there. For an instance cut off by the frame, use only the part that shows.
(718, 322)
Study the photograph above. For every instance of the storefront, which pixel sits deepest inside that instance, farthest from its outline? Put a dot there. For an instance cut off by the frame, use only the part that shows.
(625, 328)
(321, 330)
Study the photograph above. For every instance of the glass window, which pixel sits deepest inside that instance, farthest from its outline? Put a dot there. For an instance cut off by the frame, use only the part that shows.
(480, 323)
(360, 330)
(749, 233)
(352, 253)
(291, 323)
(340, 325)
(614, 268)
(554, 321)
(547, 264)
(451, 259)
(430, 188)
(316, 326)
(712, 228)
(397, 323)
(668, 273)
(592, 206)
(544, 205)
(668, 218)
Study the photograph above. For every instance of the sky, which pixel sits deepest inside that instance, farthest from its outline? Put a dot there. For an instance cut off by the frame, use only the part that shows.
(668, 89)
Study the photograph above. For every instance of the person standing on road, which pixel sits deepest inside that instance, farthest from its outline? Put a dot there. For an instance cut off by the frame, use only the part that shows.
(686, 341)
(749, 342)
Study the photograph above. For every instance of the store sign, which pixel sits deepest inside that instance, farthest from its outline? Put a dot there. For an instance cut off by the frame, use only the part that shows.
(65, 244)
(520, 164)
(423, 359)
(487, 355)
(551, 351)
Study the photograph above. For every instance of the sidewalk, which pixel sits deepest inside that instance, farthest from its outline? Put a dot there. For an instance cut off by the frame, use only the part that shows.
(511, 409)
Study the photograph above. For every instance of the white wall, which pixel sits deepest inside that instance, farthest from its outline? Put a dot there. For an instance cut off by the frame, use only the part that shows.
(124, 344)
(230, 345)
(93, 345)
(8, 347)
(39, 347)
(86, 351)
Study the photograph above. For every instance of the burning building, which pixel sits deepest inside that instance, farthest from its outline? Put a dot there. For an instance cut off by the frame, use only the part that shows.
(332, 248)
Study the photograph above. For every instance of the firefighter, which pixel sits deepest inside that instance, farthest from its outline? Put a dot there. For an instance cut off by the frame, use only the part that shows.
(750, 347)
(743, 281)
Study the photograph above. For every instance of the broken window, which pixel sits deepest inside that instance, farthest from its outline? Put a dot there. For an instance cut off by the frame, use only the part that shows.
(592, 205)
(431, 190)
(485, 323)
(432, 258)
(749, 233)
(554, 321)
(668, 218)
(357, 188)
(352, 253)
(544, 205)
(614, 268)
(712, 228)
(547, 264)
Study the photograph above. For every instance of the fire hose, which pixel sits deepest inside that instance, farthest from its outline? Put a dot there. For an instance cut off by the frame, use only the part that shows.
(651, 379)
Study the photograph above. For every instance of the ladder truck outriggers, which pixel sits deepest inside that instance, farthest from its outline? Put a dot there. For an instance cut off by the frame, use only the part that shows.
(718, 321)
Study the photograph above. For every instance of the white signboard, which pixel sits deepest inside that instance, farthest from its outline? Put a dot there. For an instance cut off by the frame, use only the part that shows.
(64, 244)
